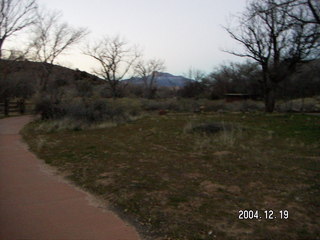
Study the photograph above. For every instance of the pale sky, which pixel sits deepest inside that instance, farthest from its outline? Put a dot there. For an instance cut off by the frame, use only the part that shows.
(184, 33)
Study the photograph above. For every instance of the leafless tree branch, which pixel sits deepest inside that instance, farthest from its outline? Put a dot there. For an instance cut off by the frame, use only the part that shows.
(116, 59)
(50, 39)
(148, 71)
(15, 15)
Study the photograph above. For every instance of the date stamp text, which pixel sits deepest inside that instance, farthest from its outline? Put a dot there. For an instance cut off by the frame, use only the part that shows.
(263, 214)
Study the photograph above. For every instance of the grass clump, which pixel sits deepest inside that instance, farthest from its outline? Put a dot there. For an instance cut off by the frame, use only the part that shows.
(299, 105)
(209, 127)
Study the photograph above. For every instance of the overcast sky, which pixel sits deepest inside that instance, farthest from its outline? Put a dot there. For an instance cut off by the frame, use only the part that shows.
(184, 33)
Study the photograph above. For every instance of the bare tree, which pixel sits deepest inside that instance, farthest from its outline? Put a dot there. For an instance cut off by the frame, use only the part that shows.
(116, 59)
(15, 15)
(305, 11)
(235, 78)
(195, 74)
(275, 41)
(50, 39)
(148, 71)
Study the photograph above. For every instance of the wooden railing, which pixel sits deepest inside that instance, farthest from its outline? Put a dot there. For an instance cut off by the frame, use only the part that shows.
(16, 108)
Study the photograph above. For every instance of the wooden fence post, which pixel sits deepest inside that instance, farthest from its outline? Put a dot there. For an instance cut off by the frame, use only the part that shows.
(21, 105)
(6, 107)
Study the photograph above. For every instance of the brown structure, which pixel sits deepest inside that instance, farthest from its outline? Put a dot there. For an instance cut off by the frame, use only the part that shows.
(163, 112)
(234, 97)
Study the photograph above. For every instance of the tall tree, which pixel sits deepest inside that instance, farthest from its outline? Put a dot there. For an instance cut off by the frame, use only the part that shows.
(15, 15)
(148, 71)
(116, 59)
(276, 41)
(51, 38)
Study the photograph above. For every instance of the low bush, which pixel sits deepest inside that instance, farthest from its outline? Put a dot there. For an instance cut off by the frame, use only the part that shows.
(96, 110)
(244, 106)
(193, 105)
(86, 111)
(172, 104)
(48, 108)
(153, 105)
(299, 105)
(131, 106)
(213, 106)
(208, 135)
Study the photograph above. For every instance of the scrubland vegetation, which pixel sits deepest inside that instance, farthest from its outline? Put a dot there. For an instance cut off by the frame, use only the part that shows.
(81, 113)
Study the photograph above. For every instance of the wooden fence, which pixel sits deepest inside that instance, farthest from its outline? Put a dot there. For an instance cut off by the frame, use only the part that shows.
(14, 108)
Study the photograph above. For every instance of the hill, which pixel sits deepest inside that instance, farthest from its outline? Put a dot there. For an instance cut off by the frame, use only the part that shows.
(32, 72)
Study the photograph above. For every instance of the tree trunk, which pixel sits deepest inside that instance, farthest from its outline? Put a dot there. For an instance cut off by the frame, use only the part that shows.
(47, 69)
(269, 88)
(151, 93)
(270, 100)
(1, 43)
(22, 106)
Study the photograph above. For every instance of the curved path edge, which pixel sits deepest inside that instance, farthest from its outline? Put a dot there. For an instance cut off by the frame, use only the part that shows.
(37, 204)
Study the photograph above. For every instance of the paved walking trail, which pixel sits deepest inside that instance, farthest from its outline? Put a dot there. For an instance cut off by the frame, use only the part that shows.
(36, 204)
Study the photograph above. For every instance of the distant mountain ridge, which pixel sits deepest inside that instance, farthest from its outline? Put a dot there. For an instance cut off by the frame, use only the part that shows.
(162, 80)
